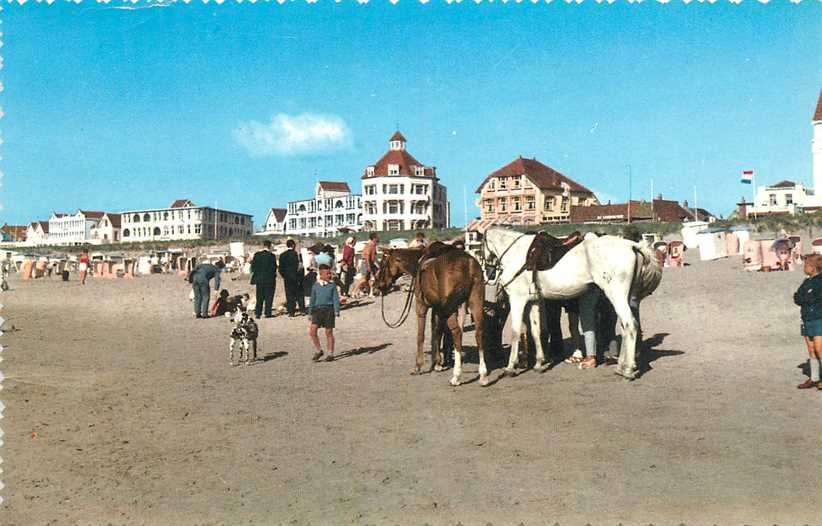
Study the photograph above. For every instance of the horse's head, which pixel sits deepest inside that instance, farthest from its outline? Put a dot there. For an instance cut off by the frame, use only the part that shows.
(389, 271)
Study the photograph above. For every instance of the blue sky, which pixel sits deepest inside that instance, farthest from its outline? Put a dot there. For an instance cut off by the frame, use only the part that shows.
(248, 105)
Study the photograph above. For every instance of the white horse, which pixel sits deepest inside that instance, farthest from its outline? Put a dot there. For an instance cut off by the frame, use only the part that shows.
(619, 267)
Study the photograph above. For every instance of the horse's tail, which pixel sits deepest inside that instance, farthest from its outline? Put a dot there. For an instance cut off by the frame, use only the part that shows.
(647, 274)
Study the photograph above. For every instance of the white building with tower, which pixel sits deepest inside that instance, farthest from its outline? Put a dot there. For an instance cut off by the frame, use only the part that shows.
(401, 193)
(183, 220)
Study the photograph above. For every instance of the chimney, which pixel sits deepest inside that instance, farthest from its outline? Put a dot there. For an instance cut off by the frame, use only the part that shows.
(659, 197)
(685, 204)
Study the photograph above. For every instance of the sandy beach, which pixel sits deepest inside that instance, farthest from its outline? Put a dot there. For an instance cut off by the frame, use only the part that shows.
(122, 409)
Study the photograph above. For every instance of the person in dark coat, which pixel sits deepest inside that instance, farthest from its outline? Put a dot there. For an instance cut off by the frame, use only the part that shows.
(292, 278)
(264, 277)
(809, 299)
(200, 278)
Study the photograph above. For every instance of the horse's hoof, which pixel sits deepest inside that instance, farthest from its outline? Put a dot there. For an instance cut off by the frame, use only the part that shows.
(455, 381)
(415, 372)
(508, 373)
(439, 368)
(541, 368)
(484, 381)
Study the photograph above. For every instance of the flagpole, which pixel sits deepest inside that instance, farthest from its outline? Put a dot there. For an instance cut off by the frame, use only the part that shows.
(696, 208)
(753, 197)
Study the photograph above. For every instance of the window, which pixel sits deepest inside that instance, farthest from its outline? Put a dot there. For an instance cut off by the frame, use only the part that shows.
(503, 183)
(530, 202)
(146, 217)
(503, 205)
(549, 203)
(489, 205)
(165, 216)
(393, 169)
(788, 199)
(369, 171)
(492, 185)
(517, 205)
(517, 183)
(126, 233)
(197, 229)
(564, 204)
(772, 199)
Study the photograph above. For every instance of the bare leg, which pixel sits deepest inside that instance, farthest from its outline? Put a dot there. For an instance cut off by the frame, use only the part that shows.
(456, 334)
(329, 341)
(312, 333)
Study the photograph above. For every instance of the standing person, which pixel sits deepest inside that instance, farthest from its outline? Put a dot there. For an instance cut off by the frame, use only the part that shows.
(292, 279)
(418, 241)
(324, 308)
(83, 263)
(369, 254)
(347, 265)
(264, 277)
(200, 278)
(809, 299)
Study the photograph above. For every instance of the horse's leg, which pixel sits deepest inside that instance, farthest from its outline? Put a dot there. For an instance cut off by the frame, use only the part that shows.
(627, 355)
(422, 312)
(456, 335)
(437, 358)
(587, 315)
(535, 316)
(517, 328)
(475, 304)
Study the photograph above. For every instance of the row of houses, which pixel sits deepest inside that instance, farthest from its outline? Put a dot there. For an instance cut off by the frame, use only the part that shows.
(182, 220)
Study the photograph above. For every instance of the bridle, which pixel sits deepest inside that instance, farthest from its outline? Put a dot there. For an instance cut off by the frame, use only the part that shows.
(497, 266)
(409, 298)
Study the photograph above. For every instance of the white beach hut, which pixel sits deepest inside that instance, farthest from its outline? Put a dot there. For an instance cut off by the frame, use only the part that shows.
(712, 244)
(690, 230)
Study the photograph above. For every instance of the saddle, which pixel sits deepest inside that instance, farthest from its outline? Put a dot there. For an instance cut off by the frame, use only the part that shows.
(435, 250)
(546, 250)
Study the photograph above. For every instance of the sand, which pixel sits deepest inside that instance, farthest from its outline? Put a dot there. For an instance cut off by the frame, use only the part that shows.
(121, 408)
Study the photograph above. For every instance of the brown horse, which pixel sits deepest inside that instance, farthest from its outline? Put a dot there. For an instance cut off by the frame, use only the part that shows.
(441, 283)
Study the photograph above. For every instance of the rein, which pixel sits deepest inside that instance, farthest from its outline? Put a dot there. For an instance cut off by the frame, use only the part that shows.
(498, 266)
(406, 309)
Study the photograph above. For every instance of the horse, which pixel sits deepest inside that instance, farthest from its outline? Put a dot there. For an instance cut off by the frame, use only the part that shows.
(619, 267)
(442, 284)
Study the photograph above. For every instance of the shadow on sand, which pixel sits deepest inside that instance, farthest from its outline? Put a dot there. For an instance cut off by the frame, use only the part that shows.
(362, 350)
(273, 356)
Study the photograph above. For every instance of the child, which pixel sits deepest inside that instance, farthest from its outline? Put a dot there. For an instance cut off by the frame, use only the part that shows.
(809, 298)
(324, 307)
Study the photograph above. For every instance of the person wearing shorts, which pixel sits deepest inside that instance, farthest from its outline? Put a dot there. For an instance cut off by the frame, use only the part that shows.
(369, 254)
(83, 264)
(324, 307)
(809, 298)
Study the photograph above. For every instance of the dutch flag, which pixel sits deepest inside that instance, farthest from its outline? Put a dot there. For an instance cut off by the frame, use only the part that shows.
(747, 176)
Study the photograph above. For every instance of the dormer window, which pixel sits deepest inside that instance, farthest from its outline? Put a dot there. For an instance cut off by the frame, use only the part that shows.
(369, 171)
(419, 170)
(393, 169)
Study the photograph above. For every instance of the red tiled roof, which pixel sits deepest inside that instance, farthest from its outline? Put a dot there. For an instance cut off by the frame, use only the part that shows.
(405, 161)
(181, 203)
(543, 176)
(817, 115)
(44, 225)
(397, 137)
(115, 220)
(16, 232)
(91, 214)
(279, 214)
(333, 186)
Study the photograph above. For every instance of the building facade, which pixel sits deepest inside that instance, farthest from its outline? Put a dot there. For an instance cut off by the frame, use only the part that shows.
(107, 230)
(72, 229)
(665, 210)
(401, 193)
(816, 147)
(275, 222)
(13, 233)
(527, 192)
(37, 233)
(183, 220)
(332, 210)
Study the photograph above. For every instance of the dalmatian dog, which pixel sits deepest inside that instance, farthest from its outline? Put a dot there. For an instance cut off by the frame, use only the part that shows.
(244, 333)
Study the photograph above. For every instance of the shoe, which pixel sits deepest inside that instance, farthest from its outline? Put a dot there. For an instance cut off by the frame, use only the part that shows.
(329, 358)
(808, 384)
(317, 356)
(198, 316)
(609, 361)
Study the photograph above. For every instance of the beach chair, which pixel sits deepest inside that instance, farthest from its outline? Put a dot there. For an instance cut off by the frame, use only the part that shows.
(816, 246)
(26, 269)
(752, 256)
(676, 254)
(732, 244)
(661, 253)
(770, 260)
(796, 254)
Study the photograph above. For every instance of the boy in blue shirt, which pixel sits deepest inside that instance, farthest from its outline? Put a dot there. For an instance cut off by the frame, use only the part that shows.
(323, 307)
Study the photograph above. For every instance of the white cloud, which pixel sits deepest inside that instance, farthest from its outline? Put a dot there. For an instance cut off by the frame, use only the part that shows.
(292, 135)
